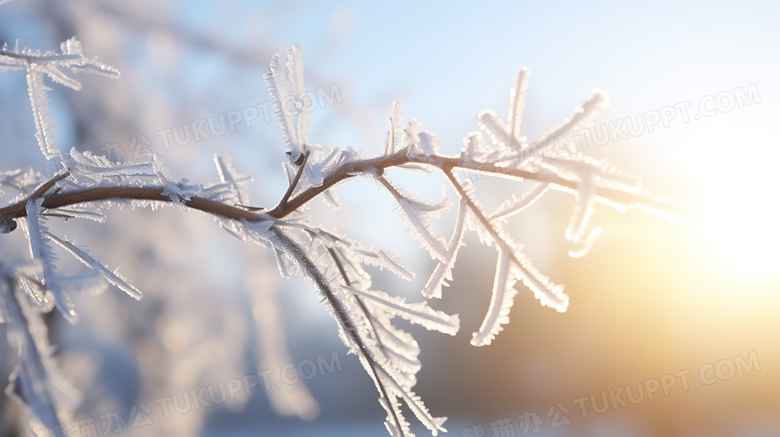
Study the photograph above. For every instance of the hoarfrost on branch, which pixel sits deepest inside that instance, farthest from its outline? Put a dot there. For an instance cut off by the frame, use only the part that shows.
(87, 185)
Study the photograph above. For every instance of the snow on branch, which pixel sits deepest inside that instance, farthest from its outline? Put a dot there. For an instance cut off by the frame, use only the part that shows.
(419, 313)
(81, 254)
(29, 382)
(50, 63)
(229, 175)
(443, 271)
(416, 214)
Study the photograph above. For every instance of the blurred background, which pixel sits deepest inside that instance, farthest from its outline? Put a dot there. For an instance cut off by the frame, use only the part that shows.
(650, 299)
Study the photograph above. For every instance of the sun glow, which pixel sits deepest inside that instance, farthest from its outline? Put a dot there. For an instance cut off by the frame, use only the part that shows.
(735, 163)
(744, 207)
(744, 231)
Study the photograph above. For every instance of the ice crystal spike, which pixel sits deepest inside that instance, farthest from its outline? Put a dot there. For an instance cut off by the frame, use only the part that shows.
(443, 271)
(586, 194)
(500, 304)
(583, 114)
(397, 127)
(509, 208)
(496, 130)
(40, 250)
(429, 143)
(416, 214)
(277, 86)
(517, 103)
(355, 254)
(474, 147)
(290, 88)
(40, 106)
(227, 174)
(113, 277)
(412, 134)
(30, 385)
(419, 313)
(295, 67)
(589, 242)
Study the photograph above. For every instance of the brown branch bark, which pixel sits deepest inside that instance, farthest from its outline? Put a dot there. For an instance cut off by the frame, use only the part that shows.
(345, 172)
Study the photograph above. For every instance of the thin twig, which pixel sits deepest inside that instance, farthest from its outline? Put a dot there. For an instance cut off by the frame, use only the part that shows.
(294, 183)
(359, 300)
(314, 273)
(478, 213)
(486, 223)
(47, 186)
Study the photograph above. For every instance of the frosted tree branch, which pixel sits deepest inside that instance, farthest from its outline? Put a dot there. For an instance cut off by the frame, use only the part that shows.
(89, 184)
(345, 172)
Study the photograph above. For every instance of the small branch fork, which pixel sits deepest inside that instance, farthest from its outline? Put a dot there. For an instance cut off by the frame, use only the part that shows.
(485, 222)
(48, 185)
(294, 183)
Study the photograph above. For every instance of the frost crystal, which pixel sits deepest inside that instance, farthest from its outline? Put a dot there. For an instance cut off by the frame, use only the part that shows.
(37, 65)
